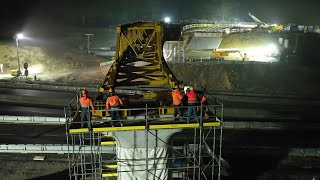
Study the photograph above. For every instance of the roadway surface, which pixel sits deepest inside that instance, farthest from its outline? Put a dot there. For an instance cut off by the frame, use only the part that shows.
(20, 109)
(27, 102)
(32, 134)
(51, 103)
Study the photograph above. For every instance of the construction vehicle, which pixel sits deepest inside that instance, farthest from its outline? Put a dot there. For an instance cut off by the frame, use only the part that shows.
(219, 54)
(258, 21)
(266, 26)
(16, 72)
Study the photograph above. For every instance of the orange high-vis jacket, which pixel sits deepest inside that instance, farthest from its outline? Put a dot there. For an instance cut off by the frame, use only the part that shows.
(176, 97)
(113, 101)
(85, 101)
(203, 99)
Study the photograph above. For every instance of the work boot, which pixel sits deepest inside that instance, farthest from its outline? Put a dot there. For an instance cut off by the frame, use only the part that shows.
(119, 124)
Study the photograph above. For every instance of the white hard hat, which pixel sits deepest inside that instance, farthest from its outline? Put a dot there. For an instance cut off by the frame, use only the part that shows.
(186, 88)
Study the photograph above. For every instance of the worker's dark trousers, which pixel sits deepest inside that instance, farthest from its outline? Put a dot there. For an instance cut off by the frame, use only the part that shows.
(192, 111)
(177, 110)
(115, 114)
(85, 115)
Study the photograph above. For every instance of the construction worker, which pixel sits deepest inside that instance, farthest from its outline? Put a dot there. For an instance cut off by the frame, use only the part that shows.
(99, 96)
(192, 103)
(203, 103)
(202, 96)
(113, 104)
(85, 104)
(177, 97)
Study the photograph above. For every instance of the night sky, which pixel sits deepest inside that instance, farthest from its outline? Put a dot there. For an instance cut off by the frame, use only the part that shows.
(115, 11)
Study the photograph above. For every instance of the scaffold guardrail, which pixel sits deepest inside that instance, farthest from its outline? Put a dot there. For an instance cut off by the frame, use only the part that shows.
(32, 119)
(48, 148)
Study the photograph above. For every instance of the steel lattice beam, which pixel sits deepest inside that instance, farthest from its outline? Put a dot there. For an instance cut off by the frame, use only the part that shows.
(139, 58)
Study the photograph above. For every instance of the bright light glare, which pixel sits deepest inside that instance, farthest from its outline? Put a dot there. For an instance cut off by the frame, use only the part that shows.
(167, 20)
(271, 49)
(35, 69)
(5, 76)
(20, 36)
(268, 53)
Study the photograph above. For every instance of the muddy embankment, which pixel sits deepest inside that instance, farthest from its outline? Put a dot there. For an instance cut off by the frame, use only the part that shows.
(273, 78)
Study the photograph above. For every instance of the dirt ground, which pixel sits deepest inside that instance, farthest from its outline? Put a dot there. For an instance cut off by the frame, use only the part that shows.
(270, 78)
(17, 170)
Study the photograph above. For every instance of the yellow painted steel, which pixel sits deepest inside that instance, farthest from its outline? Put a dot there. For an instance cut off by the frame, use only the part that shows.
(174, 126)
(150, 95)
(212, 124)
(80, 130)
(110, 175)
(140, 42)
(106, 143)
(166, 110)
(108, 134)
(101, 107)
(219, 53)
(125, 128)
(132, 128)
(111, 166)
(15, 73)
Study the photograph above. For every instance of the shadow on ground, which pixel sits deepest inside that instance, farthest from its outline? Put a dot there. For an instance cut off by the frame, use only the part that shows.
(58, 175)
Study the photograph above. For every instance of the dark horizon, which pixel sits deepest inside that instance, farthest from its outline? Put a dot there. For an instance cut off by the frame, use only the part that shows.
(117, 11)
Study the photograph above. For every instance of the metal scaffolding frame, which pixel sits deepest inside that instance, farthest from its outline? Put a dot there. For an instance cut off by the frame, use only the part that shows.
(200, 158)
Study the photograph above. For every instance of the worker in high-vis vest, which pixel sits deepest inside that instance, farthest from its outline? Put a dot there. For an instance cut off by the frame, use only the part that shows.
(177, 98)
(192, 103)
(85, 104)
(113, 104)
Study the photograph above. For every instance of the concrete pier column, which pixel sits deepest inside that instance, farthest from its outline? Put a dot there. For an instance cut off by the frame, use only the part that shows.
(143, 154)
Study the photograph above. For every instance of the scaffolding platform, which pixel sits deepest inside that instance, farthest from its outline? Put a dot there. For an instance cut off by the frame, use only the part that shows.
(200, 155)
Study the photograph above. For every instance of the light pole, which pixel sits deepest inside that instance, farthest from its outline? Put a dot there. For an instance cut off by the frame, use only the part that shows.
(17, 37)
(88, 42)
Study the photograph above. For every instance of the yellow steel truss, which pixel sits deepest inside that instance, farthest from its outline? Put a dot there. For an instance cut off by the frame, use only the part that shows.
(139, 59)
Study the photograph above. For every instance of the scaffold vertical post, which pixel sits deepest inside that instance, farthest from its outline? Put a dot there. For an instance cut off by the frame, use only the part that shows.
(213, 148)
(67, 137)
(194, 153)
(200, 143)
(147, 141)
(220, 149)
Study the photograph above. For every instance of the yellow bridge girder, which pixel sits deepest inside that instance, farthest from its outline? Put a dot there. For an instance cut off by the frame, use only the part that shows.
(139, 59)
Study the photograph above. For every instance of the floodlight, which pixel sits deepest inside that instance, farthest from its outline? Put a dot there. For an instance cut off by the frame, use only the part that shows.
(20, 36)
(167, 20)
